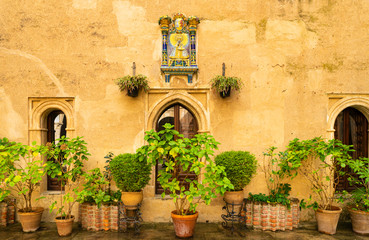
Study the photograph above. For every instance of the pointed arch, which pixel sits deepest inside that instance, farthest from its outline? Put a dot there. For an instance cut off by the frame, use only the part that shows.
(359, 103)
(185, 99)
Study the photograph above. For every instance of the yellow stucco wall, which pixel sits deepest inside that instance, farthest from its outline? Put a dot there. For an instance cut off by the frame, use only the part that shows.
(293, 56)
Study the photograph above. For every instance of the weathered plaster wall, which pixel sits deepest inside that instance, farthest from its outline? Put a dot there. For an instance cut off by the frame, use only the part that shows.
(289, 53)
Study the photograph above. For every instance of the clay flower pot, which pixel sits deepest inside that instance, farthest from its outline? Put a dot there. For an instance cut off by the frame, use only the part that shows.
(30, 220)
(327, 220)
(360, 221)
(132, 199)
(235, 197)
(64, 226)
(184, 226)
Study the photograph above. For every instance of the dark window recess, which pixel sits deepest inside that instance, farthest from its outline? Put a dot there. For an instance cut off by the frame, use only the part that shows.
(56, 128)
(185, 123)
(351, 128)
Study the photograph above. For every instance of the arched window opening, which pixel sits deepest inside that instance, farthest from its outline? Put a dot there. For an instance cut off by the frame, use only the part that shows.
(351, 128)
(56, 128)
(185, 123)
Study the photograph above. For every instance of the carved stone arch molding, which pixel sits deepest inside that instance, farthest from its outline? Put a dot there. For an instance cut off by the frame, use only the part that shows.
(339, 102)
(195, 101)
(39, 109)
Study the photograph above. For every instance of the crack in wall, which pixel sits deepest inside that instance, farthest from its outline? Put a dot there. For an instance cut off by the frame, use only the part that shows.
(40, 63)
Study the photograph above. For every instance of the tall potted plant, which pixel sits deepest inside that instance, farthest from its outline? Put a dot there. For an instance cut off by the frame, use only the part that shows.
(223, 85)
(317, 161)
(27, 172)
(277, 203)
(239, 166)
(131, 176)
(359, 205)
(133, 84)
(179, 155)
(67, 158)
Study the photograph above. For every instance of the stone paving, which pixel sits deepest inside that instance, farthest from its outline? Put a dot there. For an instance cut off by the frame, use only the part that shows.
(164, 231)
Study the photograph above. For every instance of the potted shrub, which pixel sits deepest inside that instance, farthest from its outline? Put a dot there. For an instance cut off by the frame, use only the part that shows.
(131, 176)
(239, 166)
(27, 172)
(133, 84)
(184, 155)
(283, 210)
(68, 157)
(359, 207)
(316, 160)
(223, 85)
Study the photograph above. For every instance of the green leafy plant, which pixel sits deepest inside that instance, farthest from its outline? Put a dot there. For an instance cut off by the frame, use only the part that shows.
(9, 153)
(95, 189)
(66, 160)
(317, 161)
(239, 166)
(184, 155)
(359, 177)
(223, 84)
(278, 192)
(26, 170)
(130, 83)
(130, 174)
(97, 186)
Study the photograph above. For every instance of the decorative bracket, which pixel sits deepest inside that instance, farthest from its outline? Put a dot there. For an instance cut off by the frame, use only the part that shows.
(179, 46)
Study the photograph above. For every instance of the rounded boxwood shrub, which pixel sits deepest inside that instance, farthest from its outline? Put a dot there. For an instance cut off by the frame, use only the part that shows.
(130, 174)
(240, 166)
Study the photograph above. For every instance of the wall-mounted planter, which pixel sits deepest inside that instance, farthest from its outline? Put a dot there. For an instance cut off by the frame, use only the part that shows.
(226, 93)
(7, 212)
(96, 219)
(132, 84)
(272, 217)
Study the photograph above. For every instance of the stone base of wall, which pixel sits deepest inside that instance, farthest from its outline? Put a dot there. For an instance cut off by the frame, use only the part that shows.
(7, 212)
(272, 216)
(96, 219)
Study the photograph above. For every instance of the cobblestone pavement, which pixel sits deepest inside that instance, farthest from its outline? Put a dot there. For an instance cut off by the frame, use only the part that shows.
(163, 231)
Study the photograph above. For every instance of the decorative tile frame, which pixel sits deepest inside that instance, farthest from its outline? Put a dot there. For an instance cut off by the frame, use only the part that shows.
(179, 46)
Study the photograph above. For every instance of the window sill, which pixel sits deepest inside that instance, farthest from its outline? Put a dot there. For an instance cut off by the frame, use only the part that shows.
(52, 193)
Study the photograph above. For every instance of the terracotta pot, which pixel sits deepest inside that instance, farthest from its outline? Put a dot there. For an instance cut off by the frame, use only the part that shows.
(30, 220)
(360, 221)
(235, 197)
(64, 226)
(184, 226)
(327, 220)
(132, 199)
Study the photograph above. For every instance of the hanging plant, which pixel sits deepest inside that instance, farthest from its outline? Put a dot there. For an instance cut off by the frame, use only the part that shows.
(132, 84)
(223, 85)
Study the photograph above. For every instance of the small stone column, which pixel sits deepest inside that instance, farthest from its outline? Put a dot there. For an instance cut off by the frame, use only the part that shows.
(164, 22)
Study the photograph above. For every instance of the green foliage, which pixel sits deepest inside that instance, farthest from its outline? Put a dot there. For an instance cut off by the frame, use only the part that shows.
(239, 166)
(223, 84)
(280, 195)
(95, 189)
(67, 158)
(9, 153)
(24, 170)
(130, 174)
(359, 177)
(316, 160)
(131, 82)
(181, 154)
(278, 192)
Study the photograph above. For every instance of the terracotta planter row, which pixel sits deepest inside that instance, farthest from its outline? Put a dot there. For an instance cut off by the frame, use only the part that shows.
(7, 212)
(265, 216)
